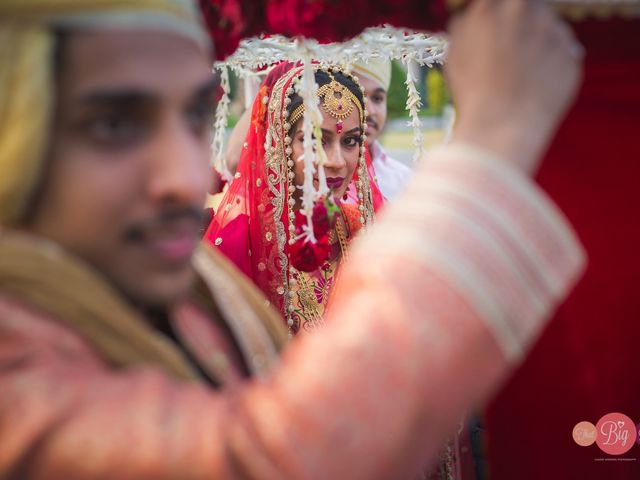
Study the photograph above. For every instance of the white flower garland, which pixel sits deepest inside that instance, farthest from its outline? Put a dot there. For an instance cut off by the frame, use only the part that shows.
(413, 105)
(312, 119)
(384, 42)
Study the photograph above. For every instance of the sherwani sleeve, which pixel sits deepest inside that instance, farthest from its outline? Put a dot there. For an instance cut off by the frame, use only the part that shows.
(439, 301)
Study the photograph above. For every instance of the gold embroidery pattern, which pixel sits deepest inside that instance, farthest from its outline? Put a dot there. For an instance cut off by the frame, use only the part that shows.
(311, 291)
(277, 173)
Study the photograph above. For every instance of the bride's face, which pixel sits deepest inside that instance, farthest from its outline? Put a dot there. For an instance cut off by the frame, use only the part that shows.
(341, 146)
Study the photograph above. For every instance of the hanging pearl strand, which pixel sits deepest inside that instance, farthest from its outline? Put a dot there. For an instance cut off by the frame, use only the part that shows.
(291, 202)
(362, 164)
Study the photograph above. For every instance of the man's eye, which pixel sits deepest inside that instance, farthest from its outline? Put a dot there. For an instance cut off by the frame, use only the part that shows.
(377, 99)
(113, 128)
(201, 116)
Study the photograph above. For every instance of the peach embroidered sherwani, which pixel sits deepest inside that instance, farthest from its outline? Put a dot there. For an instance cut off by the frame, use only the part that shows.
(441, 299)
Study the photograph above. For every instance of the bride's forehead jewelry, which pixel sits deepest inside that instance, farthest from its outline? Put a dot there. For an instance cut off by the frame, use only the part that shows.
(337, 100)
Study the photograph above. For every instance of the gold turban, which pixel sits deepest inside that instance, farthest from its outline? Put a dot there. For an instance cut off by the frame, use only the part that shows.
(26, 74)
(376, 69)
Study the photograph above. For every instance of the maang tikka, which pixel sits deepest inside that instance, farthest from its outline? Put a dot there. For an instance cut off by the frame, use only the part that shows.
(337, 100)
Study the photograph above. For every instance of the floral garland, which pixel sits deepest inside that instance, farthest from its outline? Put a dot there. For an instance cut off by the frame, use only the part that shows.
(307, 255)
(311, 121)
(255, 54)
(413, 105)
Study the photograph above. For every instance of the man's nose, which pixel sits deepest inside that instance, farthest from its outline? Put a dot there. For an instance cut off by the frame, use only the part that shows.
(372, 108)
(178, 165)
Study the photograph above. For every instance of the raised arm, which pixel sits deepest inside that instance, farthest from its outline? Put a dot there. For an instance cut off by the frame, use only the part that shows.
(439, 301)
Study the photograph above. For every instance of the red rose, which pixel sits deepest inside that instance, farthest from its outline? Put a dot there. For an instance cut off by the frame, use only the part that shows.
(418, 14)
(301, 221)
(307, 256)
(229, 21)
(324, 20)
(333, 21)
(321, 220)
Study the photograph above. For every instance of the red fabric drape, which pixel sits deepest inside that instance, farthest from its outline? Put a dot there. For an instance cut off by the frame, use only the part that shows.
(585, 363)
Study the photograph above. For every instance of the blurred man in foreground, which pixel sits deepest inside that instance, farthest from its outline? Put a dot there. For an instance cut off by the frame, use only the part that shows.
(127, 351)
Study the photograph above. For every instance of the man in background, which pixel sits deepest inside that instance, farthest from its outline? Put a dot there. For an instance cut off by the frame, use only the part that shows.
(375, 76)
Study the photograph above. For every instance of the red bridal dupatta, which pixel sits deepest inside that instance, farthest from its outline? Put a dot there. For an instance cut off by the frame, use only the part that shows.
(252, 225)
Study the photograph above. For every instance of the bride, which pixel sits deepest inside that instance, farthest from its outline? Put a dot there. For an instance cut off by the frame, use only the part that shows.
(258, 222)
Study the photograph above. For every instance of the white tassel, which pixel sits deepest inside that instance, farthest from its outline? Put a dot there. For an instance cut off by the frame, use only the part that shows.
(220, 127)
(312, 119)
(413, 105)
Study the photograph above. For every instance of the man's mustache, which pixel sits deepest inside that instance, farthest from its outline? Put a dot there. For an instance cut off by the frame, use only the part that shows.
(372, 122)
(166, 220)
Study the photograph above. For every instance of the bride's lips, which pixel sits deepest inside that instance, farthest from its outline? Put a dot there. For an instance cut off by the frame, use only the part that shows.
(334, 183)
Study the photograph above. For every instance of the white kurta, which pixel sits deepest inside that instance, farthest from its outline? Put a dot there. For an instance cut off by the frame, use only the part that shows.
(391, 174)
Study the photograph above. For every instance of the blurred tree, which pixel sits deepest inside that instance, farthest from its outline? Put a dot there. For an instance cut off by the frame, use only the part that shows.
(438, 92)
(397, 94)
